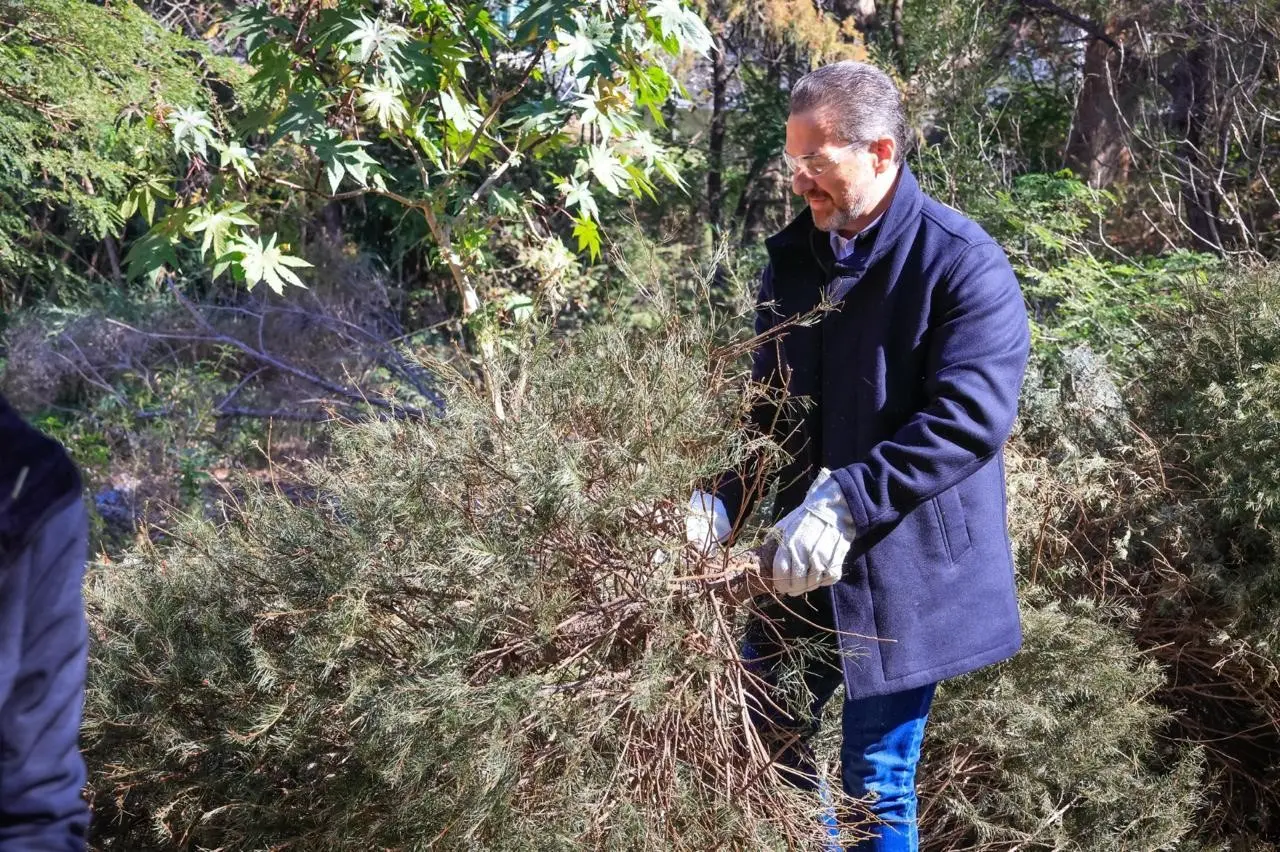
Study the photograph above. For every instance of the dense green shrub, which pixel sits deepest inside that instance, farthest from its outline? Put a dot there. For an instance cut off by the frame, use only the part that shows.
(463, 632)
(459, 632)
(1059, 748)
(1168, 527)
(1079, 289)
(82, 90)
(1214, 393)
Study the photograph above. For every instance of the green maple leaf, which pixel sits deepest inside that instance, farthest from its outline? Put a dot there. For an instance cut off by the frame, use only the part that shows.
(574, 48)
(274, 73)
(149, 255)
(144, 197)
(421, 133)
(538, 17)
(237, 157)
(156, 249)
(220, 227)
(192, 131)
(541, 116)
(645, 147)
(382, 103)
(304, 115)
(342, 157)
(681, 26)
(464, 117)
(504, 201)
(588, 48)
(255, 24)
(663, 164)
(611, 121)
(577, 193)
(375, 36)
(265, 263)
(606, 169)
(588, 234)
(640, 182)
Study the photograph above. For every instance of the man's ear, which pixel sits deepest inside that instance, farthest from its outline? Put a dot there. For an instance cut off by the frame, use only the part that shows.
(884, 148)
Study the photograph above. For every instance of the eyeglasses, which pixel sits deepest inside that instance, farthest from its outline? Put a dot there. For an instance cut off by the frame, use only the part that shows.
(814, 165)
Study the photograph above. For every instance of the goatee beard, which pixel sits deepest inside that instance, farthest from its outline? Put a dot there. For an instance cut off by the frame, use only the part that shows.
(840, 218)
(834, 221)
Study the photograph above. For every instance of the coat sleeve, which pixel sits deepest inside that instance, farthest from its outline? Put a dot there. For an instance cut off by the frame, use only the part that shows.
(41, 769)
(976, 358)
(741, 489)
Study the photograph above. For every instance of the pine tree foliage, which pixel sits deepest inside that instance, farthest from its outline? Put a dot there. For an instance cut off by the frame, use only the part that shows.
(468, 632)
(1167, 536)
(462, 634)
(1060, 748)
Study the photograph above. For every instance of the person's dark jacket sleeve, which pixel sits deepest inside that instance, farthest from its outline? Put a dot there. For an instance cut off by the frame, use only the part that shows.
(43, 649)
(976, 358)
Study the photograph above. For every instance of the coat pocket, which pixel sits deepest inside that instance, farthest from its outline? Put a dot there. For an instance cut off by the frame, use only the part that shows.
(951, 521)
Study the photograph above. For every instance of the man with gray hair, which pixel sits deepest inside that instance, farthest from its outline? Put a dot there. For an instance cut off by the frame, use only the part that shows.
(893, 568)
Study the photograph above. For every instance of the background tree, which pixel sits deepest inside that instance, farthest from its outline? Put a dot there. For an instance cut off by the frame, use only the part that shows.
(75, 116)
(1170, 103)
(432, 107)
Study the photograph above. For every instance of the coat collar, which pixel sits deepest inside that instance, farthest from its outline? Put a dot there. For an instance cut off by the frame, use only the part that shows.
(903, 211)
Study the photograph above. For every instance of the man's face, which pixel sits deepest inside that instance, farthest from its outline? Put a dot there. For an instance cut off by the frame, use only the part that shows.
(846, 189)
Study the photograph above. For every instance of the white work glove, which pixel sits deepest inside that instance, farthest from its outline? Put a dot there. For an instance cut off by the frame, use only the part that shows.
(813, 539)
(707, 523)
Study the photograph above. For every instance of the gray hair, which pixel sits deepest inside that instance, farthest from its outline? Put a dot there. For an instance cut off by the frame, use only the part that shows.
(861, 99)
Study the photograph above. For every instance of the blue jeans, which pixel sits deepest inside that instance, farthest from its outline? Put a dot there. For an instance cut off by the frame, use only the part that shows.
(881, 735)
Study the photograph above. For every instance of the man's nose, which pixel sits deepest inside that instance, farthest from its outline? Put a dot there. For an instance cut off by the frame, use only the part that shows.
(801, 183)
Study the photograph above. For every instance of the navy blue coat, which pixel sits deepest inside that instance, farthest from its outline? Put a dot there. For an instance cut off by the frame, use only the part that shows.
(912, 381)
(43, 643)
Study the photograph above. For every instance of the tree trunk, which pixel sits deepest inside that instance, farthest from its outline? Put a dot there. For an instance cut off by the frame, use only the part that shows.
(744, 213)
(113, 258)
(1097, 148)
(899, 39)
(864, 13)
(716, 135)
(1189, 84)
(760, 190)
(754, 171)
